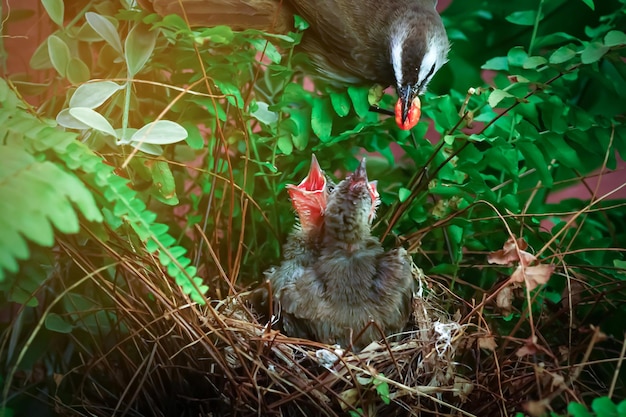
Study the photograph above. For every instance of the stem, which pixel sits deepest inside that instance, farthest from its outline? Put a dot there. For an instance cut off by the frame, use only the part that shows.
(533, 38)
(126, 111)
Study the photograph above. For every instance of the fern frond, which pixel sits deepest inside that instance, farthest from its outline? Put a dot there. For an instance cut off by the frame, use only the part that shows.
(48, 178)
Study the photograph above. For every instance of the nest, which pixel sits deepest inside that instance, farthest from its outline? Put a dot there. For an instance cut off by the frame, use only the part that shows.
(163, 355)
(179, 358)
(402, 375)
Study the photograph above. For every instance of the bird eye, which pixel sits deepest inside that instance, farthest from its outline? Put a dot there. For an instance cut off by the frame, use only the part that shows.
(426, 79)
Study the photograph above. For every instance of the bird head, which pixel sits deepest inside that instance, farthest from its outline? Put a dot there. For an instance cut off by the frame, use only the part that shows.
(309, 197)
(360, 187)
(418, 47)
(351, 208)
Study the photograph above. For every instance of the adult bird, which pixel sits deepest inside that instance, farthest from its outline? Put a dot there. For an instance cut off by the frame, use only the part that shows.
(341, 287)
(389, 42)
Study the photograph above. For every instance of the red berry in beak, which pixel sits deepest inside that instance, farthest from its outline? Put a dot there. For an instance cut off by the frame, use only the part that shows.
(407, 118)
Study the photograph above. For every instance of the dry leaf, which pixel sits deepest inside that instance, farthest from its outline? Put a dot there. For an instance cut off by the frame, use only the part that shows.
(504, 300)
(462, 388)
(529, 348)
(509, 252)
(526, 258)
(536, 408)
(349, 397)
(558, 381)
(532, 275)
(488, 342)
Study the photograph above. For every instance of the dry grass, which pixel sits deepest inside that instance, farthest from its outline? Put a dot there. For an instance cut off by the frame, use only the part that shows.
(170, 357)
(176, 358)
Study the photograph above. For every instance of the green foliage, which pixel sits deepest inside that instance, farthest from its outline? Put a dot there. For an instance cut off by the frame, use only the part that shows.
(35, 194)
(203, 128)
(600, 406)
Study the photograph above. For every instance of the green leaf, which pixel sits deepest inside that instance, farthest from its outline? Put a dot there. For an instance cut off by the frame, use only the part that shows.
(194, 137)
(59, 54)
(403, 194)
(497, 96)
(615, 38)
(161, 132)
(139, 46)
(593, 52)
(300, 23)
(500, 63)
(77, 71)
(535, 159)
(163, 181)
(561, 55)
(557, 147)
(302, 121)
(322, 118)
(92, 95)
(106, 30)
(285, 144)
(523, 18)
(341, 103)
(92, 119)
(232, 93)
(221, 35)
(56, 323)
(359, 97)
(533, 62)
(382, 388)
(35, 196)
(603, 406)
(517, 56)
(55, 9)
(41, 58)
(263, 114)
(590, 4)
(65, 119)
(266, 48)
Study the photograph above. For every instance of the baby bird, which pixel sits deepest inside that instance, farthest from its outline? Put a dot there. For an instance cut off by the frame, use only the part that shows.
(336, 278)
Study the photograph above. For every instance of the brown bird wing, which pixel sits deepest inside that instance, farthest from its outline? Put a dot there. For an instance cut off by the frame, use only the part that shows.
(395, 286)
(268, 15)
(354, 31)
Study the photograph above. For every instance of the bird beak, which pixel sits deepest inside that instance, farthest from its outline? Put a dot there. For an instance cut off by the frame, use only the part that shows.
(315, 180)
(408, 108)
(309, 197)
(360, 176)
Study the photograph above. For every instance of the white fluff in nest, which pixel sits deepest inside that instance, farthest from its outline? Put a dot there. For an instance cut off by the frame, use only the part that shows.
(445, 333)
(326, 358)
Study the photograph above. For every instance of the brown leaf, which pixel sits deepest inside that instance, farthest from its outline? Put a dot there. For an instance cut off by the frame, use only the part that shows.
(533, 276)
(526, 258)
(504, 300)
(488, 342)
(509, 253)
(536, 408)
(462, 387)
(530, 347)
(558, 381)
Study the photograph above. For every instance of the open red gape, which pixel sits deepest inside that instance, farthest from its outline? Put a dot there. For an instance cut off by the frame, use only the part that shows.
(309, 197)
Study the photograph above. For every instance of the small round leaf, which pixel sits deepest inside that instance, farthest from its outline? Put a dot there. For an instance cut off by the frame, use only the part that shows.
(161, 132)
(92, 119)
(92, 95)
